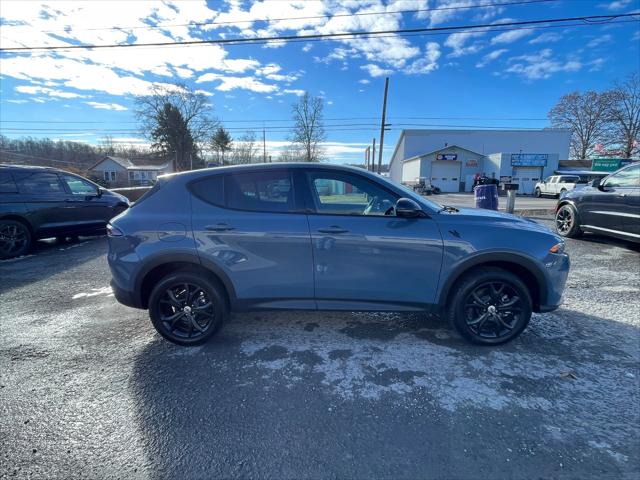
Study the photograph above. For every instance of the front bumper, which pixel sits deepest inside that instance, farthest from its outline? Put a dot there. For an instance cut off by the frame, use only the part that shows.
(557, 271)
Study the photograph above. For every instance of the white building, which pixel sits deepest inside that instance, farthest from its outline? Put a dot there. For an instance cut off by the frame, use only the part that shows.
(124, 172)
(450, 159)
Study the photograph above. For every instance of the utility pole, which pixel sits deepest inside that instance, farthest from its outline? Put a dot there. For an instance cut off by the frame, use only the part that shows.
(383, 124)
(264, 146)
(190, 161)
(373, 157)
(367, 156)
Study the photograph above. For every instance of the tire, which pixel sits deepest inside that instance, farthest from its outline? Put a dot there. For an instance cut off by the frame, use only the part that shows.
(15, 239)
(490, 317)
(567, 222)
(169, 314)
(537, 193)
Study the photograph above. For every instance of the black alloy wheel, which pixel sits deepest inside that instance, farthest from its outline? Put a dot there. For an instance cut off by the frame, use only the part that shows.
(493, 310)
(187, 308)
(490, 306)
(15, 239)
(567, 222)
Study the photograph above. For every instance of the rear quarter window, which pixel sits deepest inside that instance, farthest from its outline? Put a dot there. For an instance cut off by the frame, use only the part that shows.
(7, 184)
(210, 189)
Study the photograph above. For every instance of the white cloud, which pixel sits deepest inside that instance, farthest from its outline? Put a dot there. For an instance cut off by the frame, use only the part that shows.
(458, 43)
(107, 106)
(375, 70)
(617, 5)
(541, 65)
(428, 63)
(364, 81)
(294, 91)
(549, 37)
(601, 40)
(510, 36)
(232, 83)
(490, 57)
(307, 47)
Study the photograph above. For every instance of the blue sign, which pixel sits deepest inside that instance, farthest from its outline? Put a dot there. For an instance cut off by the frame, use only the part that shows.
(447, 156)
(529, 159)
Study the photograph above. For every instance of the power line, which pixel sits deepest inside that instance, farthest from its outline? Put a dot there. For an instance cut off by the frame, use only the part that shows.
(313, 17)
(592, 19)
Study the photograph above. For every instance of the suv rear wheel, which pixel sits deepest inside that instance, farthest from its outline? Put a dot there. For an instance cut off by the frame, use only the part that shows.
(15, 239)
(187, 308)
(537, 192)
(490, 306)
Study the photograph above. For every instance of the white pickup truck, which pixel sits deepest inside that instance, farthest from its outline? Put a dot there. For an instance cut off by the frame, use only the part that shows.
(556, 185)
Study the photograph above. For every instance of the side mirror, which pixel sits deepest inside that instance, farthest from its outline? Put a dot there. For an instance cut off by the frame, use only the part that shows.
(597, 183)
(407, 208)
(99, 192)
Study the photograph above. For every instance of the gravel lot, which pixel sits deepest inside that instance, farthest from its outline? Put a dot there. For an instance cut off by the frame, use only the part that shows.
(88, 390)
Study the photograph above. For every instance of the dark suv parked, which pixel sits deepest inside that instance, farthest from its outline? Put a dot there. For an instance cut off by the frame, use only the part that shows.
(610, 206)
(42, 202)
(321, 237)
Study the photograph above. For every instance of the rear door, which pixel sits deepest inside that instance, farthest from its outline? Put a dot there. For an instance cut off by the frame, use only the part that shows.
(46, 201)
(365, 257)
(253, 227)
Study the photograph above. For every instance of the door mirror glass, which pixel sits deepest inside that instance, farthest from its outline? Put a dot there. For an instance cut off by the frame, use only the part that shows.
(595, 183)
(407, 208)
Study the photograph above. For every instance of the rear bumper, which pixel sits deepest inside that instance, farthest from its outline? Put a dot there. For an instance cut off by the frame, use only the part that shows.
(125, 297)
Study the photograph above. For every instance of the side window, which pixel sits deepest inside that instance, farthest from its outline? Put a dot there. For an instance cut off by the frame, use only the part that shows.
(210, 189)
(7, 185)
(79, 186)
(260, 191)
(340, 194)
(629, 177)
(39, 183)
(548, 179)
(553, 179)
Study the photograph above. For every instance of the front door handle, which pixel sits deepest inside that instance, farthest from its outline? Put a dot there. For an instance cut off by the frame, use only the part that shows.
(333, 229)
(220, 227)
(622, 195)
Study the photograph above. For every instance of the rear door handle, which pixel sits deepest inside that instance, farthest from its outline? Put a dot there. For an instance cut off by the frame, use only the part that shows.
(333, 229)
(622, 195)
(220, 227)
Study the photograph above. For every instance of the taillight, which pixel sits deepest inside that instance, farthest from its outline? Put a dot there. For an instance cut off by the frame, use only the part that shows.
(113, 231)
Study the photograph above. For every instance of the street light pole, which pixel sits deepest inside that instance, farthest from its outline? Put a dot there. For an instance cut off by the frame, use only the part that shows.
(382, 124)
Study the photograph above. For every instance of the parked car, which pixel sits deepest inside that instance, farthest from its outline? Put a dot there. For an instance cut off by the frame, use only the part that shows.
(203, 243)
(610, 206)
(556, 185)
(42, 202)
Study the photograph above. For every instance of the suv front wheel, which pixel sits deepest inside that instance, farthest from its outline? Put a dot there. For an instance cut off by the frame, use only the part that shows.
(187, 308)
(490, 306)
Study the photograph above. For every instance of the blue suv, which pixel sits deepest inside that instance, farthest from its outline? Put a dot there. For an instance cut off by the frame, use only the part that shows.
(204, 243)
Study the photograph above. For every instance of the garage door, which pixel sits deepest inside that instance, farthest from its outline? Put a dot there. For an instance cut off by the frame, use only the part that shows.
(526, 178)
(446, 175)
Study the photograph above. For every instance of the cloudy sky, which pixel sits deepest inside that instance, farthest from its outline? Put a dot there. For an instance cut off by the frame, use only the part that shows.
(489, 78)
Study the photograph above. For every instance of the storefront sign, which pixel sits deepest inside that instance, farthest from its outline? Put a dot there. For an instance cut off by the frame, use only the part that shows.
(471, 163)
(608, 164)
(505, 179)
(529, 159)
(447, 156)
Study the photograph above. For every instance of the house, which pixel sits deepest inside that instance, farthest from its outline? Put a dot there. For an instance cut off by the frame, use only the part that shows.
(449, 159)
(125, 172)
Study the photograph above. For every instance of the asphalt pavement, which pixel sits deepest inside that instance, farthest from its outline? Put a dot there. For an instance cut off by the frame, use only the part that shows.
(89, 390)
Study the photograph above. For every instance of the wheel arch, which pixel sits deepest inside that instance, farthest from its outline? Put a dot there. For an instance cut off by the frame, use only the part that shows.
(21, 219)
(160, 266)
(523, 267)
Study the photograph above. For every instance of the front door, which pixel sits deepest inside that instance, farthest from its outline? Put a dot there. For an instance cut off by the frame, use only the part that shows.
(90, 212)
(249, 226)
(364, 256)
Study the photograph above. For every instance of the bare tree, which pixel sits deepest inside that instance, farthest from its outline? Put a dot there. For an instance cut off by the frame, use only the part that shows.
(309, 132)
(291, 154)
(246, 149)
(624, 114)
(586, 115)
(180, 105)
